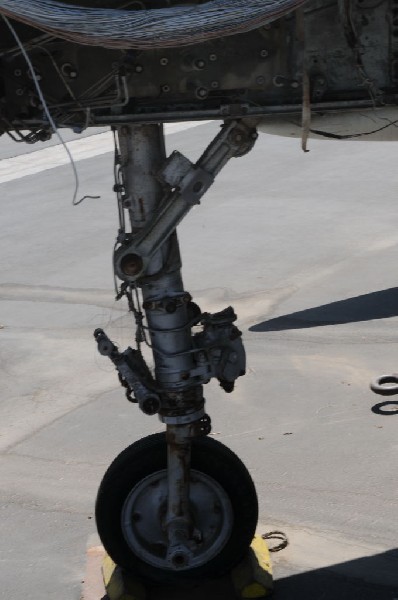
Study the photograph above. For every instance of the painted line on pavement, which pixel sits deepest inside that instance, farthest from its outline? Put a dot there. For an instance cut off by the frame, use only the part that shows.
(55, 156)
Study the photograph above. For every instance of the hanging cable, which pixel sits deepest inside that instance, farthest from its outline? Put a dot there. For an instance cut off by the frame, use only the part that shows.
(336, 136)
(45, 106)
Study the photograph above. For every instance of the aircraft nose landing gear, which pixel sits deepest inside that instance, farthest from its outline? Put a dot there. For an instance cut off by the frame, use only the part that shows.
(176, 506)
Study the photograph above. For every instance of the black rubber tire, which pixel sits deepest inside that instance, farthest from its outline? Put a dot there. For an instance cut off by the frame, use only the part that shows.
(148, 456)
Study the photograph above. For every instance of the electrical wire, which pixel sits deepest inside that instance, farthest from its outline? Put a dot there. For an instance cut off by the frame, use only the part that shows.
(336, 136)
(15, 50)
(147, 29)
(45, 108)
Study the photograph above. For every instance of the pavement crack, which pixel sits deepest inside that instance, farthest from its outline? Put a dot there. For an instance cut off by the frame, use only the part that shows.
(92, 399)
(63, 295)
(65, 463)
(36, 507)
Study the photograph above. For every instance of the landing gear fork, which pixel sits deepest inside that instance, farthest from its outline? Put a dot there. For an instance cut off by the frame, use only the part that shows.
(154, 195)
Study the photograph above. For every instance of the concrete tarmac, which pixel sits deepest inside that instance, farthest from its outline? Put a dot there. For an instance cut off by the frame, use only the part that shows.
(305, 247)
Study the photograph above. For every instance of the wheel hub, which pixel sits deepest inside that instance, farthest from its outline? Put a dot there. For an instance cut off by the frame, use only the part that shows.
(144, 512)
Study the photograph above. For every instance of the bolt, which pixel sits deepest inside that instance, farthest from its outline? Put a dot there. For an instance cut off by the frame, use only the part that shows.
(69, 71)
(201, 92)
(212, 57)
(37, 75)
(264, 53)
(197, 188)
(197, 535)
(199, 63)
(17, 72)
(260, 80)
(19, 92)
(131, 264)
(138, 68)
(150, 406)
(294, 84)
(179, 560)
(278, 81)
(165, 89)
(171, 306)
(164, 61)
(215, 85)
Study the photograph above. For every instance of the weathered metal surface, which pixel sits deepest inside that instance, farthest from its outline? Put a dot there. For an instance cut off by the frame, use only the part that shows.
(348, 51)
(178, 518)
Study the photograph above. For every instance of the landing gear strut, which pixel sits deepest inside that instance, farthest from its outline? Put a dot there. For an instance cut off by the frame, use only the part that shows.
(177, 506)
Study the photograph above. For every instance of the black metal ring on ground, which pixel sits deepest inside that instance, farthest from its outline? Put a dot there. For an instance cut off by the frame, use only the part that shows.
(385, 385)
(276, 535)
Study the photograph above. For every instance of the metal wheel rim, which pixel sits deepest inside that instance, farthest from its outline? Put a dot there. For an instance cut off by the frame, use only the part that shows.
(144, 510)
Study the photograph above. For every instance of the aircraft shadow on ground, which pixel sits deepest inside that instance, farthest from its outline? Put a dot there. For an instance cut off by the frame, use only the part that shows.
(352, 580)
(368, 307)
(388, 407)
(368, 578)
